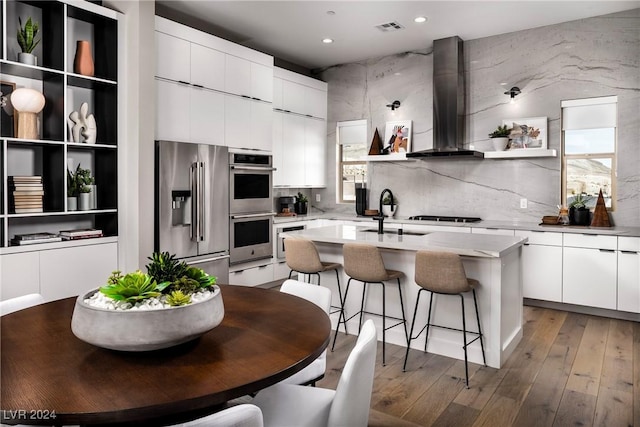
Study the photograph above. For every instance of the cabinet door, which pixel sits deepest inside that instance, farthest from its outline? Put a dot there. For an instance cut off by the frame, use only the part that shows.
(237, 77)
(72, 271)
(589, 277)
(261, 128)
(317, 102)
(262, 82)
(277, 93)
(293, 150)
(252, 276)
(237, 117)
(293, 97)
(498, 231)
(207, 67)
(172, 111)
(315, 152)
(542, 272)
(172, 58)
(278, 174)
(20, 274)
(629, 281)
(207, 116)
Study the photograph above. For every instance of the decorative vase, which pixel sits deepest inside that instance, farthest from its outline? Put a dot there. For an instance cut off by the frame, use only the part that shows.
(582, 216)
(500, 144)
(93, 197)
(387, 211)
(83, 62)
(145, 330)
(72, 204)
(27, 58)
(84, 204)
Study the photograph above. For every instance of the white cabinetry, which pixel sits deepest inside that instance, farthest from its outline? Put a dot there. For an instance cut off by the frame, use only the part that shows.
(629, 274)
(20, 274)
(589, 270)
(299, 130)
(498, 231)
(542, 265)
(252, 276)
(210, 90)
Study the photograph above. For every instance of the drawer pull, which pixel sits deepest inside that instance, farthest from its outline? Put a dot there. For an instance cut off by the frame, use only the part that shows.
(238, 271)
(629, 252)
(262, 267)
(606, 250)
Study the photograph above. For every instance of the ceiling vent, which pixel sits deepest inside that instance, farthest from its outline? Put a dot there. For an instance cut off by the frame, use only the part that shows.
(389, 26)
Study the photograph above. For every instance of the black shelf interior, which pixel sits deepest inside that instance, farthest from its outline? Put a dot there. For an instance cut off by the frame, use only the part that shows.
(104, 108)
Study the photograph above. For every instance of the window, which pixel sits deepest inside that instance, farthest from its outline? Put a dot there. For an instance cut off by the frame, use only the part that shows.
(352, 148)
(589, 149)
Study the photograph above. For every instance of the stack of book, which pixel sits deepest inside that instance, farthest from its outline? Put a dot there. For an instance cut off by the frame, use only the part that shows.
(27, 193)
(29, 239)
(84, 233)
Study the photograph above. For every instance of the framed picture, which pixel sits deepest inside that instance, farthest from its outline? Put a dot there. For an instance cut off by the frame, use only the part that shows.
(397, 136)
(8, 118)
(527, 133)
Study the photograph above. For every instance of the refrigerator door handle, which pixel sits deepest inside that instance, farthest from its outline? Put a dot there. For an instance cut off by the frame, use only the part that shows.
(252, 168)
(202, 261)
(195, 202)
(201, 202)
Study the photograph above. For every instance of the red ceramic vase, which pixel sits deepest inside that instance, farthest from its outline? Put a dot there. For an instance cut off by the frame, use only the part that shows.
(83, 62)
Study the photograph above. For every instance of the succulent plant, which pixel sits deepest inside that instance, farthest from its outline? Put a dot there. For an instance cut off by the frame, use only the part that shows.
(204, 280)
(27, 35)
(500, 132)
(133, 287)
(177, 298)
(165, 268)
(115, 276)
(184, 285)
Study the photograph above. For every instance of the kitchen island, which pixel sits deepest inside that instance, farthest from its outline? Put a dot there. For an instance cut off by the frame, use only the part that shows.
(493, 260)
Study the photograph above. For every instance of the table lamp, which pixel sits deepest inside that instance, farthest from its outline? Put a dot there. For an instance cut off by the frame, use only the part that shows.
(28, 103)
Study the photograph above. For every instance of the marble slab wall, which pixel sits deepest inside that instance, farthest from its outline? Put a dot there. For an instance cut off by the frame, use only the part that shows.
(592, 57)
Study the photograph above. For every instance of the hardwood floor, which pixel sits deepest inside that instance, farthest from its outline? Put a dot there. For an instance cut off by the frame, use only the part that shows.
(569, 369)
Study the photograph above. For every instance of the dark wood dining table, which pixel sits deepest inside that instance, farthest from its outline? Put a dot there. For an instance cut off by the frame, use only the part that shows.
(46, 372)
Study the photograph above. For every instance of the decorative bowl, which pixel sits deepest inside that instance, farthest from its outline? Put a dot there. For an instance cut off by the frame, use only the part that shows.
(145, 330)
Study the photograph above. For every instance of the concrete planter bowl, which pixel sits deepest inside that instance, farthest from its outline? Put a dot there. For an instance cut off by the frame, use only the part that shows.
(145, 330)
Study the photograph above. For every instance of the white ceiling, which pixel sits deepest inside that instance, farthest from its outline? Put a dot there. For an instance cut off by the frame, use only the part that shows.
(293, 30)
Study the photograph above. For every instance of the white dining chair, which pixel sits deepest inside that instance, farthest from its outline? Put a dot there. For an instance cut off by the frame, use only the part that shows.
(244, 415)
(321, 297)
(348, 406)
(20, 303)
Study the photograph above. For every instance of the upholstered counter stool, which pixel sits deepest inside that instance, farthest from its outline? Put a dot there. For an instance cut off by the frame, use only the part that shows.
(443, 273)
(364, 263)
(302, 257)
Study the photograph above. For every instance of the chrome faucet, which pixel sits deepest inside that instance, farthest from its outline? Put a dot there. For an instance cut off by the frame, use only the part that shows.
(380, 217)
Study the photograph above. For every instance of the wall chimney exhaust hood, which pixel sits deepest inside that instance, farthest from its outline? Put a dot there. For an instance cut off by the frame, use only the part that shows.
(448, 103)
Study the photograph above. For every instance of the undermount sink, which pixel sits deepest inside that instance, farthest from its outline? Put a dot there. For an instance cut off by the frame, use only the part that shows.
(395, 231)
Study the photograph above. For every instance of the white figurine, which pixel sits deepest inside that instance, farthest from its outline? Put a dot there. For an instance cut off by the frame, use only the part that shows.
(82, 125)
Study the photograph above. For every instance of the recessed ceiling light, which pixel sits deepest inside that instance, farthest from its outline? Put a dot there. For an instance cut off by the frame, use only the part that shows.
(420, 19)
(503, 84)
(327, 40)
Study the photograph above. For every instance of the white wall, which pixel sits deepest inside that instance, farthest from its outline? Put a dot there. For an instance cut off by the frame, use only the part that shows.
(587, 58)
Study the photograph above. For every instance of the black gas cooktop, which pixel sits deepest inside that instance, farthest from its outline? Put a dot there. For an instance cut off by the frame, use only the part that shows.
(445, 218)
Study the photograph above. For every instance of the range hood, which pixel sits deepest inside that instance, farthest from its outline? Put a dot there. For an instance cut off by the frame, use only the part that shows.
(448, 103)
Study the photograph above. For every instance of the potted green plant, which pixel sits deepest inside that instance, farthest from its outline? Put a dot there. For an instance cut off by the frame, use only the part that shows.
(302, 204)
(84, 181)
(387, 209)
(125, 314)
(27, 41)
(72, 191)
(579, 214)
(500, 137)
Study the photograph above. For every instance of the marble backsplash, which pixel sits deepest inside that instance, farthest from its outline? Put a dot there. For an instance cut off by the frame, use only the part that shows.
(580, 59)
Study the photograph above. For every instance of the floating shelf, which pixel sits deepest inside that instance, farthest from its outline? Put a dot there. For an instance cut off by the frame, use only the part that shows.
(521, 153)
(393, 157)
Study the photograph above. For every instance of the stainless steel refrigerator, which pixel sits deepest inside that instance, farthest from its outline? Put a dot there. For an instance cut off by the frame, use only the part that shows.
(192, 205)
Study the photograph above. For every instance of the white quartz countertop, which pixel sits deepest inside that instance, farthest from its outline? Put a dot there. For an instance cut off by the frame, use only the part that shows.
(465, 244)
(508, 225)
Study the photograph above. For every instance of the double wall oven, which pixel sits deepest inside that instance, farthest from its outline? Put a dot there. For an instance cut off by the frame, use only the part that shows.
(250, 206)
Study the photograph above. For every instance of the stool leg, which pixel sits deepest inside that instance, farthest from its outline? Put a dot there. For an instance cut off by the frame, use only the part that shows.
(333, 346)
(475, 302)
(413, 323)
(317, 274)
(404, 319)
(341, 303)
(290, 273)
(364, 290)
(426, 338)
(384, 323)
(464, 337)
